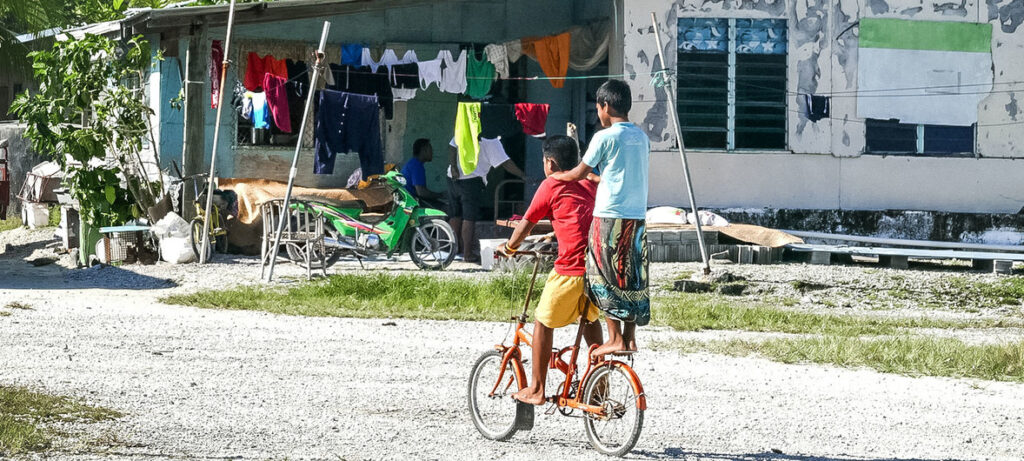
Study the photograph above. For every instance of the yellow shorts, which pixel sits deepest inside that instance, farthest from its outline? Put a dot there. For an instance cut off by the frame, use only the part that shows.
(563, 300)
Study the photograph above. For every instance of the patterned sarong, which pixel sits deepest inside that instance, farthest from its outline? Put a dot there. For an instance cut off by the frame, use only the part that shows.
(616, 278)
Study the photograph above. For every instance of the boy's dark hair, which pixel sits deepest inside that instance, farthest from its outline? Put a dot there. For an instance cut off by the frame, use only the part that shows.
(418, 145)
(616, 94)
(564, 150)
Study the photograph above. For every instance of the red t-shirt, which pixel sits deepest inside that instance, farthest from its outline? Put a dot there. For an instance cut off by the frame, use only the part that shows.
(570, 205)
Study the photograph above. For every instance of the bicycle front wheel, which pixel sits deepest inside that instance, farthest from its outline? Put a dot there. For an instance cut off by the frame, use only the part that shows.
(196, 238)
(493, 415)
(615, 432)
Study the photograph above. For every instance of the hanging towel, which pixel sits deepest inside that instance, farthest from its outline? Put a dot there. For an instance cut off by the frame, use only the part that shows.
(216, 64)
(499, 121)
(589, 44)
(533, 117)
(260, 111)
(552, 53)
(347, 122)
(256, 66)
(429, 72)
(817, 107)
(453, 76)
(277, 100)
(351, 54)
(498, 57)
(467, 135)
(479, 77)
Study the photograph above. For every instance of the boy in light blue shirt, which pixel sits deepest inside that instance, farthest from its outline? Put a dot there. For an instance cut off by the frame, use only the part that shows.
(616, 277)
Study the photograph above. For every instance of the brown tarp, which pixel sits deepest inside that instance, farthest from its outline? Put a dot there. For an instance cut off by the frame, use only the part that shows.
(245, 229)
(746, 233)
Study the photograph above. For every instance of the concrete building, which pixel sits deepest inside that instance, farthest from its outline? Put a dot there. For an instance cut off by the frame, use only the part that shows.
(753, 144)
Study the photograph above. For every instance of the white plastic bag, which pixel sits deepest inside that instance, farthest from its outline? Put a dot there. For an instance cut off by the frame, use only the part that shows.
(666, 215)
(171, 225)
(176, 250)
(708, 218)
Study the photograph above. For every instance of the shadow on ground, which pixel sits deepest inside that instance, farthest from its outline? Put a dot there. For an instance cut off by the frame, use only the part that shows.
(19, 275)
(679, 453)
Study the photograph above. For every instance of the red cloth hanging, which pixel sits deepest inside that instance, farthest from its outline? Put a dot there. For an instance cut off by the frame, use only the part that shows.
(256, 66)
(216, 64)
(533, 117)
(277, 99)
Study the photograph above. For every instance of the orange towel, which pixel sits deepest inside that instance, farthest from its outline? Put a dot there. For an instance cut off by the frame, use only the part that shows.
(552, 53)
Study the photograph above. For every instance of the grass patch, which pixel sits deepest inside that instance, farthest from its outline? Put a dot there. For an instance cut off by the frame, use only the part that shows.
(18, 305)
(691, 312)
(377, 295)
(966, 293)
(24, 413)
(384, 295)
(902, 354)
(10, 223)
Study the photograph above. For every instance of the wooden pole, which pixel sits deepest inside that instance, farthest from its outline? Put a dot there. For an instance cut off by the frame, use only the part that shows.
(216, 133)
(194, 127)
(313, 81)
(673, 111)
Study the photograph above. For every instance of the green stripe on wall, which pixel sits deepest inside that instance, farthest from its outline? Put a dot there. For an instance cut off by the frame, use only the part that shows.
(925, 35)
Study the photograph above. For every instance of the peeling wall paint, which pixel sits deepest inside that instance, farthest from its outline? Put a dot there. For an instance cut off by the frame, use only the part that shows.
(823, 55)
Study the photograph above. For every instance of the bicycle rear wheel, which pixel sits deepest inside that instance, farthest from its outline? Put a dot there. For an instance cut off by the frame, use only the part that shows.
(493, 415)
(616, 432)
(196, 238)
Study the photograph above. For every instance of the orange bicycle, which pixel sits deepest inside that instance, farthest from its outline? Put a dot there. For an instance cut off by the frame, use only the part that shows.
(608, 393)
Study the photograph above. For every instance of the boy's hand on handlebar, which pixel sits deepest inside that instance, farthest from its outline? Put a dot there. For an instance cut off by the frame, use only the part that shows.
(504, 250)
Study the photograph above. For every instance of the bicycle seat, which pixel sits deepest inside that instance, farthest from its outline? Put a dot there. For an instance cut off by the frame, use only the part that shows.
(349, 204)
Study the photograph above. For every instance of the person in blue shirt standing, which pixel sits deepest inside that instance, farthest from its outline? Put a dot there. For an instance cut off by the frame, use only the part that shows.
(416, 174)
(617, 260)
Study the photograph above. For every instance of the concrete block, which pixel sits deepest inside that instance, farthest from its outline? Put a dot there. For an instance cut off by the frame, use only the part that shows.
(986, 265)
(671, 236)
(654, 237)
(823, 258)
(895, 262)
(1002, 267)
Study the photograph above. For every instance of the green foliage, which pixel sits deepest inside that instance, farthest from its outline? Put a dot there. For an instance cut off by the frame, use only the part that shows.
(89, 121)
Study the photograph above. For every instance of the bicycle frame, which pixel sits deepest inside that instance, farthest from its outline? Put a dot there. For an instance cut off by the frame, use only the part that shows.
(513, 354)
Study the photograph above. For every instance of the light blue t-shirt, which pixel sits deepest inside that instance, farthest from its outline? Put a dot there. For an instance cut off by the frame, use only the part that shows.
(621, 153)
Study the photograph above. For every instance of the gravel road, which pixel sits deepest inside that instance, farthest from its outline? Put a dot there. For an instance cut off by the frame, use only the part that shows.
(227, 384)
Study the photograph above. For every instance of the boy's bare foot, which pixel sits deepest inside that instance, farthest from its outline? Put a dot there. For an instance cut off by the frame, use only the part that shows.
(530, 395)
(610, 347)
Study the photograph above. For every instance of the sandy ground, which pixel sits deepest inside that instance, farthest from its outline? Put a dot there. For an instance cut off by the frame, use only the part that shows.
(222, 384)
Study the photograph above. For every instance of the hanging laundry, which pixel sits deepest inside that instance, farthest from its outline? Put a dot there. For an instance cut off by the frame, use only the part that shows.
(347, 122)
(216, 64)
(514, 50)
(430, 72)
(260, 111)
(405, 81)
(246, 105)
(817, 107)
(362, 80)
(351, 54)
(499, 121)
(277, 100)
(467, 135)
(256, 66)
(498, 57)
(453, 76)
(297, 88)
(367, 60)
(479, 76)
(552, 53)
(589, 44)
(409, 57)
(534, 118)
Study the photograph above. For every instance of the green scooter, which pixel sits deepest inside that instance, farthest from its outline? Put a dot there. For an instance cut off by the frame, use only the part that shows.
(407, 226)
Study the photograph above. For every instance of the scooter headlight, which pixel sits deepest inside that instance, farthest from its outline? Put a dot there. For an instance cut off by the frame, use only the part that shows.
(400, 179)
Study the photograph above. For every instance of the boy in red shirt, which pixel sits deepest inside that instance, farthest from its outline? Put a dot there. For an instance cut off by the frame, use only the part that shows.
(570, 205)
